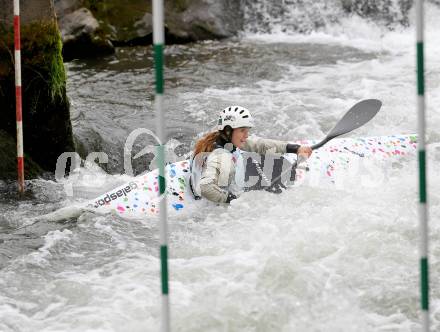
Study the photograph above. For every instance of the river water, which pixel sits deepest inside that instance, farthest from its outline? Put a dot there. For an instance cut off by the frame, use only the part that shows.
(314, 258)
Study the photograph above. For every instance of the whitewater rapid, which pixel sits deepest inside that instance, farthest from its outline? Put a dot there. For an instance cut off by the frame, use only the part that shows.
(314, 258)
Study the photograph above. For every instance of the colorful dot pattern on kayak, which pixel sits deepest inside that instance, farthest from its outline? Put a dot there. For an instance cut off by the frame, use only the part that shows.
(141, 196)
(339, 154)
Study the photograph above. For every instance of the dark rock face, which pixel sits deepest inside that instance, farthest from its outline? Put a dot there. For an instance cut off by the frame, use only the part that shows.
(79, 22)
(46, 118)
(205, 19)
(8, 166)
(144, 26)
(92, 27)
(123, 22)
(29, 12)
(82, 36)
(64, 7)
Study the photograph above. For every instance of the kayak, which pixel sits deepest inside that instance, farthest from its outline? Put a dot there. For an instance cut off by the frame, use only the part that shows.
(140, 197)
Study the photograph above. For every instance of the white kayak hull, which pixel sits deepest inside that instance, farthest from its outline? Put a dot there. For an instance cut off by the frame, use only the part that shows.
(140, 196)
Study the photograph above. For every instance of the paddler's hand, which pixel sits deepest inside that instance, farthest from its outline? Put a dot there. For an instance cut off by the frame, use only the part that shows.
(304, 152)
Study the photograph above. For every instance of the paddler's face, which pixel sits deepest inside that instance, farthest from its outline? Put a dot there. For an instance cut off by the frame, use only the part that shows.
(239, 136)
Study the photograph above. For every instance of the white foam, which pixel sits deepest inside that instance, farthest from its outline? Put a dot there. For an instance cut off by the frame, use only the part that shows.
(319, 258)
(51, 240)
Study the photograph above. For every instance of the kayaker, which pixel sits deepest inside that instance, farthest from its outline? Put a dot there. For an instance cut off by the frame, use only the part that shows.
(218, 167)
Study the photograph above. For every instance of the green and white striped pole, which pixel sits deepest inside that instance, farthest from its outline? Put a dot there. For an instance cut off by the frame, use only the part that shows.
(158, 41)
(423, 208)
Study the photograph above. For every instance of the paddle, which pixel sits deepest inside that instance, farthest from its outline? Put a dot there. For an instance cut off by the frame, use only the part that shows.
(357, 116)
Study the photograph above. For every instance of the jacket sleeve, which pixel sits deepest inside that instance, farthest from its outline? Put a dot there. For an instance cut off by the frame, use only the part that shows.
(262, 145)
(215, 176)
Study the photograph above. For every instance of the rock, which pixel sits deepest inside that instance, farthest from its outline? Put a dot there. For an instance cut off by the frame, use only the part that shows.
(205, 19)
(144, 26)
(47, 129)
(75, 24)
(64, 7)
(82, 37)
(130, 22)
(123, 22)
(30, 11)
(8, 166)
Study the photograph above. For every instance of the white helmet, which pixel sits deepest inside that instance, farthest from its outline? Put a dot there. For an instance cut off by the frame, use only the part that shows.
(236, 117)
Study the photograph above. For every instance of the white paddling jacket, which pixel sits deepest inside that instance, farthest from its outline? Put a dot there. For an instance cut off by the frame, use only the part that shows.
(219, 175)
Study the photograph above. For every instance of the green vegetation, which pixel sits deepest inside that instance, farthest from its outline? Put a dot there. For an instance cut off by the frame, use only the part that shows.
(41, 48)
(41, 52)
(46, 119)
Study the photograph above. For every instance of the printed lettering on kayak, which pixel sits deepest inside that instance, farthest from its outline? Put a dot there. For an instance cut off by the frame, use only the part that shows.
(106, 199)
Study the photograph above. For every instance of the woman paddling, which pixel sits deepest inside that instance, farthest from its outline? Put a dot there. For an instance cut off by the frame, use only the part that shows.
(218, 168)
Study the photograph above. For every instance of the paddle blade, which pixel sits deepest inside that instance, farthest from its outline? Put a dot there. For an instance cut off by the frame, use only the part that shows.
(357, 116)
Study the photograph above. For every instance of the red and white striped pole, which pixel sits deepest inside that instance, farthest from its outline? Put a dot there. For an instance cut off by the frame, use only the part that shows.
(18, 108)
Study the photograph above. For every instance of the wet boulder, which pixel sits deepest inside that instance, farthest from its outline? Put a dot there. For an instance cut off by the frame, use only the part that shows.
(64, 7)
(144, 26)
(130, 22)
(123, 22)
(205, 19)
(82, 36)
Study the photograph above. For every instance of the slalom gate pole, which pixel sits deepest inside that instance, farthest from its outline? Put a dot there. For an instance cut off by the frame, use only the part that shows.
(18, 98)
(159, 41)
(423, 208)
